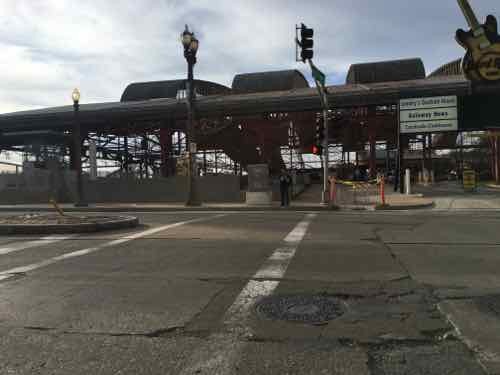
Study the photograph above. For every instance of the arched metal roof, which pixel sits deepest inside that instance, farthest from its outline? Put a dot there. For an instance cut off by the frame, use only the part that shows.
(282, 80)
(97, 116)
(450, 69)
(169, 89)
(386, 71)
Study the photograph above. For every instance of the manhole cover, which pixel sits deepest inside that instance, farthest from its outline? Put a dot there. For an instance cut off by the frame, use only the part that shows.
(304, 309)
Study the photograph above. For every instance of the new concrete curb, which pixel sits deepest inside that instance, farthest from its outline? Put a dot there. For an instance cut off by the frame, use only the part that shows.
(213, 208)
(119, 222)
(405, 207)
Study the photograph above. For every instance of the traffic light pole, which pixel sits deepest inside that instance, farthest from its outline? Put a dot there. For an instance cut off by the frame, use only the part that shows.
(326, 155)
(306, 43)
(326, 161)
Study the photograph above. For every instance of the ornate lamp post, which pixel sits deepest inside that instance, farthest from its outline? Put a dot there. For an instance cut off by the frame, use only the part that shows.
(190, 44)
(77, 150)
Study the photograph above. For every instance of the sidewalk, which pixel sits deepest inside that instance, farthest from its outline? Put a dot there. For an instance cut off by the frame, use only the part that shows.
(450, 195)
(155, 207)
(309, 200)
(394, 201)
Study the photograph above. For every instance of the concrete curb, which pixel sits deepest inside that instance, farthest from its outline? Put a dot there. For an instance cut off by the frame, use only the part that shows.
(215, 208)
(405, 207)
(119, 222)
(492, 186)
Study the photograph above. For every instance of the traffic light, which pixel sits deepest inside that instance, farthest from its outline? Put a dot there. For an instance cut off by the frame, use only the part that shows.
(306, 43)
(319, 137)
(317, 150)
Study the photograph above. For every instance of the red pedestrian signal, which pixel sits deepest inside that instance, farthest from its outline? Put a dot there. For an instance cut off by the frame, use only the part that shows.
(317, 150)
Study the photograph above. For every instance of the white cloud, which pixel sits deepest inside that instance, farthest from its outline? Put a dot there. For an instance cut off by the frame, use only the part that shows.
(50, 46)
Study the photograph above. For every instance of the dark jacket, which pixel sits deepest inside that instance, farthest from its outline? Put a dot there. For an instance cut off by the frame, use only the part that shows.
(285, 181)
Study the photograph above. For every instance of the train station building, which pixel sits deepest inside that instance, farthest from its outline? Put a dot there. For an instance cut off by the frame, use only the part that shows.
(135, 149)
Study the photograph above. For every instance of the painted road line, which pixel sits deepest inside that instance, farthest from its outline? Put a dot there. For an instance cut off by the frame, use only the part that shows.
(277, 264)
(221, 351)
(273, 268)
(79, 253)
(18, 246)
(5, 277)
(476, 329)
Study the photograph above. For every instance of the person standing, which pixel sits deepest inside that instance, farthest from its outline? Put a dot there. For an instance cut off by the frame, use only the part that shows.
(285, 182)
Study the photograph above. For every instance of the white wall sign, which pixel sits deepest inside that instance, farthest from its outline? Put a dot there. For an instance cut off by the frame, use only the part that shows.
(426, 115)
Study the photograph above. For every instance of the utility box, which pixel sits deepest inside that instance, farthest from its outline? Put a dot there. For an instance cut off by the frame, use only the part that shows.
(259, 187)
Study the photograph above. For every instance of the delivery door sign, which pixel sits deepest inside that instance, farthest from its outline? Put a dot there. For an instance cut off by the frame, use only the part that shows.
(428, 115)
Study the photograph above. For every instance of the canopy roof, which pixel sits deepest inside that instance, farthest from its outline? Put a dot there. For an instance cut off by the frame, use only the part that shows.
(281, 80)
(452, 68)
(169, 89)
(386, 71)
(95, 116)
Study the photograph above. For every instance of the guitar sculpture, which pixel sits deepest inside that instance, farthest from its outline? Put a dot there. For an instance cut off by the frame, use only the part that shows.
(482, 42)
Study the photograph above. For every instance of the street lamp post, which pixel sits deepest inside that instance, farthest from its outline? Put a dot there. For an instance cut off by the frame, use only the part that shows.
(190, 44)
(77, 150)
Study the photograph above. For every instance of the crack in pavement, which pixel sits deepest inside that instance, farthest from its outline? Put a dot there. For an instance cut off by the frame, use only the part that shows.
(170, 332)
(376, 232)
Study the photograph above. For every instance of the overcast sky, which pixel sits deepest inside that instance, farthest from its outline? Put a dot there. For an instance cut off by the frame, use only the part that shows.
(48, 47)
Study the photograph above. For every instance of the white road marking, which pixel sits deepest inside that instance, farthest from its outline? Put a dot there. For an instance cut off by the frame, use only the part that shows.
(222, 350)
(276, 265)
(460, 315)
(23, 269)
(274, 268)
(18, 246)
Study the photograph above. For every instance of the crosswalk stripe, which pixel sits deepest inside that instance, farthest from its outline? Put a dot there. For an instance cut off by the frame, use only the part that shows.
(222, 350)
(23, 269)
(18, 246)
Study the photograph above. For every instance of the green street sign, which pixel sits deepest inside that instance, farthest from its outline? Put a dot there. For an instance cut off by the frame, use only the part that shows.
(318, 75)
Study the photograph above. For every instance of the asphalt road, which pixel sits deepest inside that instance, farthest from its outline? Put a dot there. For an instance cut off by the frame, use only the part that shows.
(257, 293)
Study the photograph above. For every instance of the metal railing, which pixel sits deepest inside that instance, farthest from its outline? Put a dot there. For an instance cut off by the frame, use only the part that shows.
(357, 193)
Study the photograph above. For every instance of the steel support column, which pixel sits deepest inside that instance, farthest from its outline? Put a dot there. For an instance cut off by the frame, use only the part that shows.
(372, 164)
(495, 156)
(166, 151)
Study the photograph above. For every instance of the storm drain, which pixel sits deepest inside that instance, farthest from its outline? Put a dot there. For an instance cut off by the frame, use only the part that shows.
(303, 309)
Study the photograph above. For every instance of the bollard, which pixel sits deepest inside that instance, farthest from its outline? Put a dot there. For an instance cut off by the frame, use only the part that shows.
(382, 190)
(426, 178)
(408, 182)
(332, 191)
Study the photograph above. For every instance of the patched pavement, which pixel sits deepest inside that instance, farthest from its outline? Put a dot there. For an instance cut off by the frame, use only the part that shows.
(258, 293)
